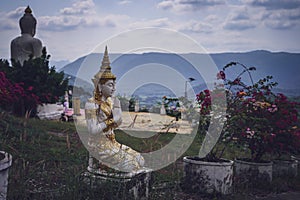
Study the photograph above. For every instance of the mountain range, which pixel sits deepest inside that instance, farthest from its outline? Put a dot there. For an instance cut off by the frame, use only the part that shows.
(283, 66)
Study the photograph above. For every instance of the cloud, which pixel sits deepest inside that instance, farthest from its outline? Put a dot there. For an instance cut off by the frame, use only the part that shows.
(113, 20)
(197, 27)
(280, 25)
(124, 2)
(275, 5)
(282, 19)
(212, 18)
(79, 8)
(62, 23)
(8, 24)
(192, 26)
(79, 14)
(160, 22)
(239, 25)
(278, 15)
(240, 16)
(16, 14)
(166, 5)
(239, 19)
(59, 23)
(10, 20)
(188, 5)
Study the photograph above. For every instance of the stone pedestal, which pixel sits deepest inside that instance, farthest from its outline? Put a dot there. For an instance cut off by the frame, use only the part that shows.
(121, 185)
(76, 105)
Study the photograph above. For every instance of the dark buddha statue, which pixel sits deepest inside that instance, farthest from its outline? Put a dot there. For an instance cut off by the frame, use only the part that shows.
(26, 45)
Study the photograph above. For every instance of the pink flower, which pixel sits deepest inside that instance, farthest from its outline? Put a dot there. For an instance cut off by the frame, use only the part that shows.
(250, 133)
(273, 108)
(221, 75)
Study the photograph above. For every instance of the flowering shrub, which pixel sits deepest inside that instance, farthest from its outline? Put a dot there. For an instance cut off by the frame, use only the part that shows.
(256, 118)
(172, 106)
(34, 77)
(14, 98)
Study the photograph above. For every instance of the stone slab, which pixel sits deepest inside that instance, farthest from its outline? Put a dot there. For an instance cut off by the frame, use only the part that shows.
(135, 185)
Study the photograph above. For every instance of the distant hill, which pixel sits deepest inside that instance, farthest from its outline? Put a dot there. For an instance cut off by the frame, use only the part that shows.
(58, 64)
(284, 67)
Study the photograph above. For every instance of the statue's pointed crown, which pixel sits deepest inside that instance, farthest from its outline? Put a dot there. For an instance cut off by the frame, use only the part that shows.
(27, 22)
(105, 69)
(28, 10)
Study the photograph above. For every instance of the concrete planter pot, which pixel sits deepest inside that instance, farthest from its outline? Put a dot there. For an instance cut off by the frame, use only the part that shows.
(5, 163)
(297, 158)
(207, 177)
(252, 174)
(285, 168)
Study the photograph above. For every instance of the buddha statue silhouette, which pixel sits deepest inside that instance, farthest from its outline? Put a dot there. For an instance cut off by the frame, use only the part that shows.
(26, 45)
(103, 115)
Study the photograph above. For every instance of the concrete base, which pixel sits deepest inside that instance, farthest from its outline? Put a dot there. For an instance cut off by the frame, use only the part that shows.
(50, 111)
(134, 185)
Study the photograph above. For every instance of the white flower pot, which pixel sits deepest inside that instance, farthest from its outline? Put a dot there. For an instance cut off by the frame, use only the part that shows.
(285, 168)
(207, 177)
(252, 173)
(5, 164)
(297, 158)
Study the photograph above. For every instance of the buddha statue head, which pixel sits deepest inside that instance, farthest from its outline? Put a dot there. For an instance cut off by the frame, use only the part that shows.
(104, 80)
(28, 22)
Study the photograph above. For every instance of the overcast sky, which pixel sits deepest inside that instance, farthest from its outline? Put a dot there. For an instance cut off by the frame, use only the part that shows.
(73, 28)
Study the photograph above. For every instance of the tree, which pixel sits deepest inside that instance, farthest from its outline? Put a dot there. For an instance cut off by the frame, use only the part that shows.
(36, 75)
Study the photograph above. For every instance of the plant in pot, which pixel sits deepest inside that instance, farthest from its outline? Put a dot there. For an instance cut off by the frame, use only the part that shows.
(208, 172)
(255, 121)
(296, 151)
(258, 120)
(287, 138)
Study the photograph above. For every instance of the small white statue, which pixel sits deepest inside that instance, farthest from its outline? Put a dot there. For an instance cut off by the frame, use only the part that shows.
(137, 106)
(103, 115)
(162, 109)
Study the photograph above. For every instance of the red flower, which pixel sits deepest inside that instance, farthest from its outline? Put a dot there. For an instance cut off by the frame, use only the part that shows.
(237, 81)
(221, 75)
(206, 92)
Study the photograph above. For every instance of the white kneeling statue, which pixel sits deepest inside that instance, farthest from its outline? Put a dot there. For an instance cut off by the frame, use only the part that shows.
(103, 115)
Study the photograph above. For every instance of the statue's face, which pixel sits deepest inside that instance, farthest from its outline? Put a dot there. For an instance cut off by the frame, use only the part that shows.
(108, 88)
